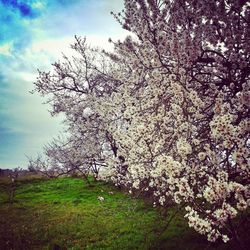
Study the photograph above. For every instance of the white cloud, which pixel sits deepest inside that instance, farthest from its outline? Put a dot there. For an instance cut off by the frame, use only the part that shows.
(5, 49)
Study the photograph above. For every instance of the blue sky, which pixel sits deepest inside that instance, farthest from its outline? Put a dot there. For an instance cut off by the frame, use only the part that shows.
(33, 33)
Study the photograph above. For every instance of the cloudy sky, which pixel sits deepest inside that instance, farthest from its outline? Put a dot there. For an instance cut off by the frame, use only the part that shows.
(33, 33)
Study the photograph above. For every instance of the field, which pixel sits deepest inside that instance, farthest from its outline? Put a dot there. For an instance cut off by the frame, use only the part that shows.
(65, 213)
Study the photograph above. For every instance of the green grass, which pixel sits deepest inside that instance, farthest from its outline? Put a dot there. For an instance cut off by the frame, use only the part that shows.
(65, 213)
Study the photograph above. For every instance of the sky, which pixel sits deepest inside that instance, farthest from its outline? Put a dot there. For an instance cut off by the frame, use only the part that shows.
(33, 35)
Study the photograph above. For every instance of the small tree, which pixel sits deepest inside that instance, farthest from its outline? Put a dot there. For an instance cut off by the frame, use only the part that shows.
(13, 175)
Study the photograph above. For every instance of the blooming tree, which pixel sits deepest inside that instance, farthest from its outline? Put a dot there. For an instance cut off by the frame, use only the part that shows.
(72, 88)
(69, 156)
(169, 107)
(185, 96)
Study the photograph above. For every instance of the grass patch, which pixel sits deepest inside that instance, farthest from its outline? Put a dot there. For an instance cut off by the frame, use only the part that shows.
(65, 213)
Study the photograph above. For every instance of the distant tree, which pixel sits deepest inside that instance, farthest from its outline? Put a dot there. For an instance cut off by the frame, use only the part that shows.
(13, 175)
(31, 169)
(67, 157)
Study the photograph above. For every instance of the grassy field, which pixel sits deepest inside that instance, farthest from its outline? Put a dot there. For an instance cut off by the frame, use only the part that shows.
(65, 213)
